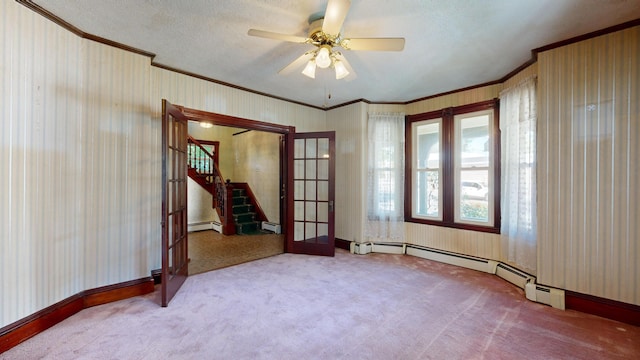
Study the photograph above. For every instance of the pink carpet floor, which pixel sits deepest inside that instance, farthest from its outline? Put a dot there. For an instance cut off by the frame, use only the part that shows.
(375, 306)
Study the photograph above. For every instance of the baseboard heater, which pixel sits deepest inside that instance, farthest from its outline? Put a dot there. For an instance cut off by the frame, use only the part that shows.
(199, 226)
(534, 292)
(545, 295)
(360, 248)
(388, 248)
(514, 276)
(273, 227)
(217, 226)
(470, 262)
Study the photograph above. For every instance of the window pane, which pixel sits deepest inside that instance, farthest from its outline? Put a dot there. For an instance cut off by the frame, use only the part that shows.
(310, 190)
(323, 169)
(310, 232)
(298, 148)
(323, 148)
(474, 141)
(310, 212)
(323, 190)
(428, 148)
(298, 213)
(323, 212)
(311, 148)
(323, 233)
(426, 181)
(474, 196)
(310, 172)
(298, 169)
(473, 192)
(298, 231)
(298, 190)
(427, 194)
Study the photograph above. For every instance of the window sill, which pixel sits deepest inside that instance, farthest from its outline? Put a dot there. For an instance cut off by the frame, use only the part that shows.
(384, 218)
(470, 227)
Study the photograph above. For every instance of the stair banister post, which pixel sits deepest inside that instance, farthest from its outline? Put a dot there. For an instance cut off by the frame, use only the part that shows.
(229, 227)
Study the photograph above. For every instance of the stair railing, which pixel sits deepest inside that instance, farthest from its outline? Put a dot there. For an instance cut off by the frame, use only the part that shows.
(201, 160)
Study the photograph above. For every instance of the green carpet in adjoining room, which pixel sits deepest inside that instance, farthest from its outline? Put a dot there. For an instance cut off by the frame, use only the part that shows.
(210, 250)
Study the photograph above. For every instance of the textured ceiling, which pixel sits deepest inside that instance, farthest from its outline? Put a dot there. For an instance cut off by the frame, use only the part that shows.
(449, 44)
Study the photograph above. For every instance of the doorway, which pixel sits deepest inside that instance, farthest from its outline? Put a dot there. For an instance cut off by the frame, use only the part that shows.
(307, 210)
(243, 156)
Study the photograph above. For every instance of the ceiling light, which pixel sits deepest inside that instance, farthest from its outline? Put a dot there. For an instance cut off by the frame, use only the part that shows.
(310, 69)
(341, 70)
(206, 125)
(323, 58)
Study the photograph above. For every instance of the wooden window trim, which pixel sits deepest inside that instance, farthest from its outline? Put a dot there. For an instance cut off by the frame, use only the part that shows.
(447, 158)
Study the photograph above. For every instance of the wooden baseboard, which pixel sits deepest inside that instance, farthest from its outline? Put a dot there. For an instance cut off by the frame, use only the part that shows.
(610, 309)
(21, 330)
(111, 293)
(343, 244)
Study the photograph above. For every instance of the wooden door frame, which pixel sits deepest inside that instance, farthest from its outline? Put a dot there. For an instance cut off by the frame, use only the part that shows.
(287, 133)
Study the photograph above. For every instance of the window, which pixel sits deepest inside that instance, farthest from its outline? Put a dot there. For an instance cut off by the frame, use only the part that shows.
(452, 169)
(197, 157)
(385, 169)
(428, 169)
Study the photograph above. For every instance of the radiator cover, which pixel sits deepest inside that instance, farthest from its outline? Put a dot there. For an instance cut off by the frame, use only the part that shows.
(273, 227)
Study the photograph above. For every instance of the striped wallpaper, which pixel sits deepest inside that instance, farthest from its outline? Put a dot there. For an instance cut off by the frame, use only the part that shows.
(474, 243)
(588, 174)
(79, 190)
(348, 122)
(525, 73)
(36, 166)
(456, 99)
(80, 158)
(204, 95)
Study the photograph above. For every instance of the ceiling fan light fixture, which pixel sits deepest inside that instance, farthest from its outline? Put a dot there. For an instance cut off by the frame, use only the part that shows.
(310, 69)
(323, 57)
(341, 70)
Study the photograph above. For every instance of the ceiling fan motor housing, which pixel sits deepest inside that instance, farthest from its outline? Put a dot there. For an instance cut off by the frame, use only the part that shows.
(318, 36)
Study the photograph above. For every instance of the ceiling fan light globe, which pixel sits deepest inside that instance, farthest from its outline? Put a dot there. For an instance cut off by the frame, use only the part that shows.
(310, 69)
(323, 58)
(341, 70)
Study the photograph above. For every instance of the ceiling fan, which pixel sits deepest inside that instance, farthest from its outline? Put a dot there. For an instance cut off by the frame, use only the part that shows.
(324, 34)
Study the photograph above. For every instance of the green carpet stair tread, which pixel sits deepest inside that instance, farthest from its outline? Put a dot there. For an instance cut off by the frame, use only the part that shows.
(243, 214)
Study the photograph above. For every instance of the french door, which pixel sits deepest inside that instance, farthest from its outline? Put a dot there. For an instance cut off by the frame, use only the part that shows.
(175, 258)
(310, 225)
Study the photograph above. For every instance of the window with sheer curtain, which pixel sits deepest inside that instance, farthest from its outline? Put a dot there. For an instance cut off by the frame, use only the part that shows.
(518, 207)
(385, 184)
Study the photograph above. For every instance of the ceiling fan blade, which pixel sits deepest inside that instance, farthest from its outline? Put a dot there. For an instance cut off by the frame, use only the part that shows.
(373, 44)
(297, 63)
(352, 74)
(276, 36)
(334, 16)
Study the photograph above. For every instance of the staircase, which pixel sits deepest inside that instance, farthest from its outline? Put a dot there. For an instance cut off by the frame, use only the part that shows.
(235, 203)
(244, 214)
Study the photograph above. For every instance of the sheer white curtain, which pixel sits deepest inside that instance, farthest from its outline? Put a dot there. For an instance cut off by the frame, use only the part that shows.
(518, 196)
(384, 220)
